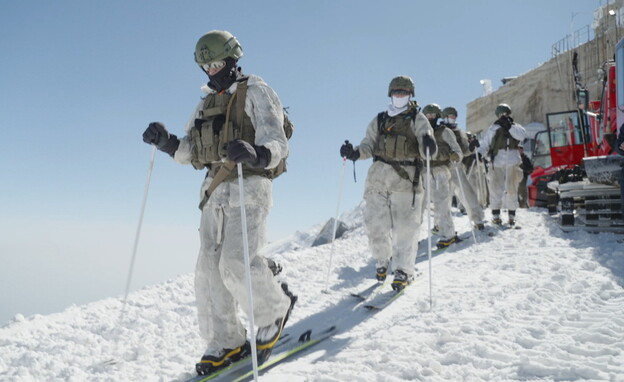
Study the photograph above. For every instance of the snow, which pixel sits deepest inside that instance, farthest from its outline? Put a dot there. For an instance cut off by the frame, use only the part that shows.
(527, 304)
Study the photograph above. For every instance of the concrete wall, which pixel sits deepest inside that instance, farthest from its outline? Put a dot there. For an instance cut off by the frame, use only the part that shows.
(550, 87)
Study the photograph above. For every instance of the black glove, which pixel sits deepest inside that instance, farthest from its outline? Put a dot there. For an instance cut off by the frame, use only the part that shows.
(505, 122)
(255, 156)
(473, 144)
(156, 134)
(429, 142)
(347, 151)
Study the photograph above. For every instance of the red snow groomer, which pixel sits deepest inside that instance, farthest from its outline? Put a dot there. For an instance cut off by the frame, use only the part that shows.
(577, 173)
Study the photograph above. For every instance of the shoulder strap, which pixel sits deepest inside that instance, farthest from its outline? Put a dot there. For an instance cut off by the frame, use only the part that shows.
(381, 120)
(241, 95)
(414, 112)
(228, 166)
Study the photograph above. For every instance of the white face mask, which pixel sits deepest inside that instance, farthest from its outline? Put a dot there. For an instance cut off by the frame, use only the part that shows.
(400, 102)
(450, 120)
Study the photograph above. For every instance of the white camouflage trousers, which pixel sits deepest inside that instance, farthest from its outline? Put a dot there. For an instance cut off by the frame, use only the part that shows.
(220, 286)
(467, 195)
(503, 185)
(392, 222)
(441, 196)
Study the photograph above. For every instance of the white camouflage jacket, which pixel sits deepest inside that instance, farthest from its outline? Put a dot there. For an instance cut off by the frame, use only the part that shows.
(265, 110)
(503, 157)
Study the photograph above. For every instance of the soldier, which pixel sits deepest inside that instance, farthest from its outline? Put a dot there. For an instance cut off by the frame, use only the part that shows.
(459, 181)
(476, 168)
(396, 139)
(449, 154)
(240, 120)
(500, 144)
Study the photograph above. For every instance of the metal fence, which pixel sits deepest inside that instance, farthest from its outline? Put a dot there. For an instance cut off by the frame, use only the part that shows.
(572, 41)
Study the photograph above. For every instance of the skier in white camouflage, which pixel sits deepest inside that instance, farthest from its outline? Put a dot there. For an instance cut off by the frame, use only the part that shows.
(449, 154)
(247, 130)
(500, 143)
(476, 170)
(459, 181)
(396, 139)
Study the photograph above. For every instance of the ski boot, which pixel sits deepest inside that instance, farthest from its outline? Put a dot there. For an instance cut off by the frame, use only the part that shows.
(496, 220)
(381, 274)
(443, 243)
(213, 361)
(512, 218)
(276, 268)
(401, 280)
(268, 335)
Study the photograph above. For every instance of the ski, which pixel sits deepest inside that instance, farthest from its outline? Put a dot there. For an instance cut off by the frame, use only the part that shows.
(439, 250)
(391, 296)
(369, 291)
(245, 372)
(283, 340)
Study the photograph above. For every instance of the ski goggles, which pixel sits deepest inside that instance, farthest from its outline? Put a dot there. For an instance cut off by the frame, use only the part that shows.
(214, 65)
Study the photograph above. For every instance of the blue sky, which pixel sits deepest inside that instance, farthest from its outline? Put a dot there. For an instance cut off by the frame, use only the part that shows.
(81, 80)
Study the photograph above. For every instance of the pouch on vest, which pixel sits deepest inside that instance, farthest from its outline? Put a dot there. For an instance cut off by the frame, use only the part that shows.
(396, 140)
(206, 142)
(218, 136)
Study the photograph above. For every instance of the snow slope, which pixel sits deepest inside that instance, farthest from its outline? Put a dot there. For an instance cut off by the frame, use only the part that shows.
(529, 304)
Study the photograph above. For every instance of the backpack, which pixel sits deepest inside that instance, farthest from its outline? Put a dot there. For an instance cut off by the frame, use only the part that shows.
(288, 126)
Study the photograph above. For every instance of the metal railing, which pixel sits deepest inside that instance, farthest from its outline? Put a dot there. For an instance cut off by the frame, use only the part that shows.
(572, 41)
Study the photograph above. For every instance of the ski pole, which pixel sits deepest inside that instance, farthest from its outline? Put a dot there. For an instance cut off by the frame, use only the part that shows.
(429, 226)
(134, 250)
(461, 188)
(331, 251)
(241, 195)
(469, 175)
(138, 231)
(481, 182)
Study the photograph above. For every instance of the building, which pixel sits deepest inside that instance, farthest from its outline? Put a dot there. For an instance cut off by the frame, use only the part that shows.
(576, 62)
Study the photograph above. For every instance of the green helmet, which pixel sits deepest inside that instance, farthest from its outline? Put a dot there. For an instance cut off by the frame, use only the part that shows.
(401, 83)
(502, 108)
(450, 110)
(432, 108)
(216, 46)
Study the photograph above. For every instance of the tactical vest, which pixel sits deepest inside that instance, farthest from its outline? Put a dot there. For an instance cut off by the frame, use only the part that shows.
(222, 118)
(460, 141)
(396, 140)
(444, 149)
(502, 140)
